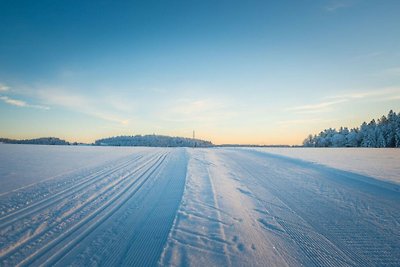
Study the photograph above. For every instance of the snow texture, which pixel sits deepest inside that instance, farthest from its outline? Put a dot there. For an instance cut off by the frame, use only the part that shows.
(22, 165)
(380, 163)
(248, 208)
(194, 207)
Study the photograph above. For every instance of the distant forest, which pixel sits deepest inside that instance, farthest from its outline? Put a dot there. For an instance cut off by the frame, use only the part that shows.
(153, 141)
(137, 140)
(382, 133)
(37, 141)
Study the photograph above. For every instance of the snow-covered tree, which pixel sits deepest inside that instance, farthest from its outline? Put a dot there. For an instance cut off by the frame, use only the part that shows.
(338, 140)
(385, 132)
(352, 138)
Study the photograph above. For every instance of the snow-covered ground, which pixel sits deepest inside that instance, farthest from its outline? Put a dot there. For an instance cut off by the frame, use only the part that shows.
(194, 207)
(22, 165)
(380, 163)
(248, 208)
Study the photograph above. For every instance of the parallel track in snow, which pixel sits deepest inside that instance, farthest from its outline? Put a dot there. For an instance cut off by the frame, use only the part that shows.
(97, 217)
(56, 224)
(46, 231)
(18, 200)
(238, 205)
(58, 197)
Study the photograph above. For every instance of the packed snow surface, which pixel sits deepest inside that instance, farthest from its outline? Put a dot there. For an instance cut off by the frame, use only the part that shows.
(22, 165)
(192, 207)
(380, 163)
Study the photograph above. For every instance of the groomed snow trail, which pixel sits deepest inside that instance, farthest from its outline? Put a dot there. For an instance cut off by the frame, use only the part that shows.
(201, 207)
(247, 208)
(102, 217)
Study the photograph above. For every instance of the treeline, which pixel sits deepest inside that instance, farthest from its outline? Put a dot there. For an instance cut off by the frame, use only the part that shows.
(385, 132)
(153, 141)
(247, 145)
(37, 141)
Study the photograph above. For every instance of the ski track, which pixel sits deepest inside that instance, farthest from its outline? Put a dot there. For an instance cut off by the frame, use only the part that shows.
(52, 229)
(114, 203)
(58, 197)
(202, 207)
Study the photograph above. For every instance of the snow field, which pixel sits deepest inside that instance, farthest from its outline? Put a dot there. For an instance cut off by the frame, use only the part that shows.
(243, 207)
(81, 224)
(23, 165)
(379, 163)
(198, 207)
(212, 227)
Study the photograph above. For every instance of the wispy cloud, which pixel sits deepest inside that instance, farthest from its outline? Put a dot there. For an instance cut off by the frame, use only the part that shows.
(4, 88)
(20, 103)
(79, 103)
(101, 107)
(334, 5)
(376, 94)
(379, 94)
(14, 102)
(315, 108)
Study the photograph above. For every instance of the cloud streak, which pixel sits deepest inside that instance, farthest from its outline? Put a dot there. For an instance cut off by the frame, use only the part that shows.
(102, 108)
(381, 94)
(319, 107)
(4, 88)
(80, 104)
(339, 4)
(21, 103)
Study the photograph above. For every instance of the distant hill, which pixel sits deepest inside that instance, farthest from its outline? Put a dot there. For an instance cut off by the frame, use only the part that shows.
(37, 141)
(152, 141)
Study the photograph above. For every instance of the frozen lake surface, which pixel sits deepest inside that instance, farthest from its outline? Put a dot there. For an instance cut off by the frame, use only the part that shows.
(196, 207)
(22, 165)
(380, 163)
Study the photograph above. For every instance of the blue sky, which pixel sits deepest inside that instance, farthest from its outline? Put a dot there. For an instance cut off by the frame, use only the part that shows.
(260, 72)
